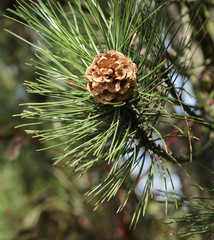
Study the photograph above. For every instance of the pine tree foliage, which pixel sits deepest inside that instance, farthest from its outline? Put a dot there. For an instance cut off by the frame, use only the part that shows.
(121, 135)
(199, 221)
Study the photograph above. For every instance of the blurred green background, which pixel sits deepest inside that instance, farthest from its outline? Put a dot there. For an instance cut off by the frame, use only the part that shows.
(38, 200)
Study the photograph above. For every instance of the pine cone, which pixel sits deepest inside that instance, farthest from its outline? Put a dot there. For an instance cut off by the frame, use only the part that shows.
(111, 77)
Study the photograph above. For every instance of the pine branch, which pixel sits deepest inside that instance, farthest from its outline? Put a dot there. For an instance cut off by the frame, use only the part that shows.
(91, 132)
(200, 221)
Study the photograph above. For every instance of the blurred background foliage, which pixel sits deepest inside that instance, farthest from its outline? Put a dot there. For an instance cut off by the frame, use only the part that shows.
(39, 201)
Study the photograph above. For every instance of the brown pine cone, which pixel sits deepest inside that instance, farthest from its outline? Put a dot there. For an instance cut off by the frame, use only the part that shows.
(111, 77)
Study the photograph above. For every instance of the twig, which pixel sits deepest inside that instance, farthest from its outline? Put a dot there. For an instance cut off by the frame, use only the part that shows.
(187, 123)
(149, 143)
(72, 83)
(33, 3)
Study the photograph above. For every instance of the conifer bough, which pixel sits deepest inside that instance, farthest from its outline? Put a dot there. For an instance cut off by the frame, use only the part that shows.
(125, 135)
(111, 77)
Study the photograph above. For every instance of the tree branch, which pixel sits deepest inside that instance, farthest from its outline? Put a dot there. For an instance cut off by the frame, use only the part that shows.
(149, 144)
